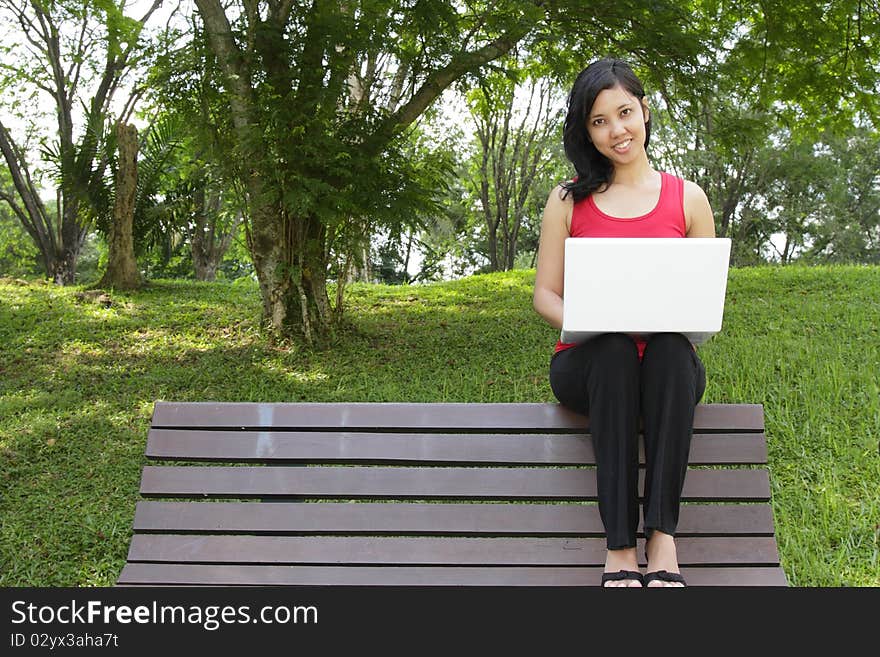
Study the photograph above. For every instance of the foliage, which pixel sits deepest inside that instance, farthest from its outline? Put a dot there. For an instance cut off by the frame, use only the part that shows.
(741, 125)
(320, 125)
(93, 259)
(449, 244)
(202, 203)
(760, 128)
(454, 242)
(78, 55)
(18, 256)
(387, 234)
(814, 66)
(847, 222)
(518, 121)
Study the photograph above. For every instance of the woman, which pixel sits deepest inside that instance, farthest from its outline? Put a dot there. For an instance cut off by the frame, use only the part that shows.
(616, 380)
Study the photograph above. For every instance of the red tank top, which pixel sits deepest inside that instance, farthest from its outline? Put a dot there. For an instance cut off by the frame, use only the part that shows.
(665, 220)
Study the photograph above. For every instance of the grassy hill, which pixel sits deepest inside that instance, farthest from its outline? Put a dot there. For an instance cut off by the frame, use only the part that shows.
(78, 381)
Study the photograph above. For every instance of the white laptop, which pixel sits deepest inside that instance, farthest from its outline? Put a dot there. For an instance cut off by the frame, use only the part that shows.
(641, 286)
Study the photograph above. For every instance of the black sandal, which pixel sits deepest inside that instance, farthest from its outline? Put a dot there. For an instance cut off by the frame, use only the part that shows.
(622, 574)
(663, 576)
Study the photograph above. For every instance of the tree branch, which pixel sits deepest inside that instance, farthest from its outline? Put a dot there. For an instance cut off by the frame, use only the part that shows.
(230, 57)
(32, 203)
(21, 214)
(252, 13)
(28, 26)
(285, 7)
(439, 80)
(77, 61)
(156, 4)
(310, 63)
(62, 99)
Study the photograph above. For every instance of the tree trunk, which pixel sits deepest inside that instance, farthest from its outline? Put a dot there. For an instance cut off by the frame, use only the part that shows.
(204, 267)
(359, 265)
(492, 247)
(210, 241)
(62, 267)
(122, 272)
(204, 255)
(409, 245)
(292, 272)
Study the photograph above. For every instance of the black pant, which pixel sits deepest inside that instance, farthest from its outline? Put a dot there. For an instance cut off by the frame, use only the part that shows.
(604, 379)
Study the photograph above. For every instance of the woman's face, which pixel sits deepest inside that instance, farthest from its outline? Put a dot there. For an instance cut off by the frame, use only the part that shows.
(616, 125)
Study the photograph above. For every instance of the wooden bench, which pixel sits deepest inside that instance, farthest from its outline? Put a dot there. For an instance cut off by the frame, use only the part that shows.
(424, 494)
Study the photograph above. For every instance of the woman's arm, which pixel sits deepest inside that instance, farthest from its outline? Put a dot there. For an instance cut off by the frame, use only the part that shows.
(549, 277)
(697, 211)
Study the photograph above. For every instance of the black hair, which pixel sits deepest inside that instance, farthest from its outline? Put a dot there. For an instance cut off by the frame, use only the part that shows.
(593, 169)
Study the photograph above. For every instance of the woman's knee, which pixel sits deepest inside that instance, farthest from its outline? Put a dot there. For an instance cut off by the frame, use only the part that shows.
(669, 345)
(617, 348)
(671, 362)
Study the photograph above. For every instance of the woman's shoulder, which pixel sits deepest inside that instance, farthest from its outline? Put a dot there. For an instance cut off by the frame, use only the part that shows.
(699, 219)
(561, 194)
(690, 189)
(559, 207)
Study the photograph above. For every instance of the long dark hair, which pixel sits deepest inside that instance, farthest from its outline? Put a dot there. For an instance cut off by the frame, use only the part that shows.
(593, 169)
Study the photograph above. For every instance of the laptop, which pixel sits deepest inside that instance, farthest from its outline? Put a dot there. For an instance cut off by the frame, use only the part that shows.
(641, 286)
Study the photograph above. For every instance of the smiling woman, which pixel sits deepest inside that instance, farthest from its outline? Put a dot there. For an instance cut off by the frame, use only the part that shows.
(618, 380)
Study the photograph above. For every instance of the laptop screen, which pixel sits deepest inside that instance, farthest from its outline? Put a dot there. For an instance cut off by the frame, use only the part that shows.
(642, 286)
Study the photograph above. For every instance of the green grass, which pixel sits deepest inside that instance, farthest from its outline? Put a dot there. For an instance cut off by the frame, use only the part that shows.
(78, 382)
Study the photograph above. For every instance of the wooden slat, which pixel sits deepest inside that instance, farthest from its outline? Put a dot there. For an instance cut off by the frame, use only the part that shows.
(426, 448)
(333, 550)
(246, 575)
(428, 519)
(426, 483)
(510, 417)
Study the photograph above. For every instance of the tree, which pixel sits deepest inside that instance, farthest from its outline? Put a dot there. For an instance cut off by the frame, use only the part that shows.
(202, 212)
(312, 157)
(309, 165)
(210, 238)
(122, 272)
(449, 241)
(514, 149)
(203, 209)
(781, 75)
(125, 203)
(847, 228)
(18, 256)
(79, 54)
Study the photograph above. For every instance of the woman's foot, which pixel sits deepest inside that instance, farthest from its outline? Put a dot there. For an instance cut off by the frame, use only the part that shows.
(624, 559)
(660, 550)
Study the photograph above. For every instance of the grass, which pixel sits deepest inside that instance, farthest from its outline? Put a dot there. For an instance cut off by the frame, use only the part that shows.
(78, 382)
